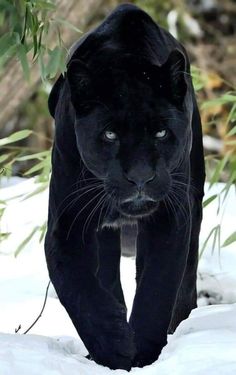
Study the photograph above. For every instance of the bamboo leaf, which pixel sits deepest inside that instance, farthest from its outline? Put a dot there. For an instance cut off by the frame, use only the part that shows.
(4, 235)
(6, 41)
(230, 239)
(40, 189)
(22, 55)
(25, 241)
(54, 62)
(38, 155)
(68, 24)
(215, 237)
(233, 142)
(45, 5)
(4, 157)
(17, 136)
(212, 232)
(43, 231)
(231, 132)
(224, 99)
(219, 169)
(209, 200)
(10, 52)
(35, 168)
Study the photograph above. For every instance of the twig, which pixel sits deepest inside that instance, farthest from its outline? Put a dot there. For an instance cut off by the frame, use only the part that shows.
(17, 329)
(41, 312)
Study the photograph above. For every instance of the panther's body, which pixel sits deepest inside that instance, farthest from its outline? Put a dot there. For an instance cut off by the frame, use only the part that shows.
(128, 149)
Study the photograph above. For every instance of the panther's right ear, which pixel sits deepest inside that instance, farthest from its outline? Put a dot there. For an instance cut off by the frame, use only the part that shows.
(54, 95)
(80, 82)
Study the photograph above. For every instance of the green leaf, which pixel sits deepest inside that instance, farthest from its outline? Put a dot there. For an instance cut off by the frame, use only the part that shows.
(6, 41)
(54, 62)
(221, 164)
(25, 241)
(42, 67)
(43, 231)
(38, 156)
(232, 114)
(35, 44)
(45, 5)
(224, 99)
(233, 142)
(215, 236)
(213, 232)
(67, 24)
(10, 52)
(40, 189)
(4, 157)
(17, 136)
(4, 235)
(231, 132)
(199, 80)
(35, 168)
(22, 55)
(229, 183)
(209, 200)
(230, 239)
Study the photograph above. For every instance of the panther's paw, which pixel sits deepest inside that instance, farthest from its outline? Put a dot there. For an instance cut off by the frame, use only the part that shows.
(109, 338)
(146, 355)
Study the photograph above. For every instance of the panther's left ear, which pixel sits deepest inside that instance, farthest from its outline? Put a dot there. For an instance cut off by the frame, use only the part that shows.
(80, 82)
(173, 71)
(54, 95)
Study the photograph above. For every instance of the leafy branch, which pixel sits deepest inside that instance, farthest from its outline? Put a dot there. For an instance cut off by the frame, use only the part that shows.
(25, 34)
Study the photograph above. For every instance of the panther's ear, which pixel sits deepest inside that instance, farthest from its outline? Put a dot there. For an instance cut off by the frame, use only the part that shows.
(54, 95)
(173, 71)
(80, 82)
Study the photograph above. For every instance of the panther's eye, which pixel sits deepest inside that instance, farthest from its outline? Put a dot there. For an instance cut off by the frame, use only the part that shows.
(161, 134)
(110, 136)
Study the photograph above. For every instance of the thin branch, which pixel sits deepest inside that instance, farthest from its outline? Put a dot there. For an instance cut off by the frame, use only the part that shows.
(41, 312)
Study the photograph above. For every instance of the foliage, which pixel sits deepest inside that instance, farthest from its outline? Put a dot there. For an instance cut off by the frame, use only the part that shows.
(41, 169)
(25, 29)
(220, 167)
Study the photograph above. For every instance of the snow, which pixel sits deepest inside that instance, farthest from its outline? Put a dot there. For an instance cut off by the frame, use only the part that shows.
(203, 344)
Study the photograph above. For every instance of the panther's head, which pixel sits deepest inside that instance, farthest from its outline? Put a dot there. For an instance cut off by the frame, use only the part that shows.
(132, 127)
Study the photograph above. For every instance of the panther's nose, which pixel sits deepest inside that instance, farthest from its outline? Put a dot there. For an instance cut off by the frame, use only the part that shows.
(140, 180)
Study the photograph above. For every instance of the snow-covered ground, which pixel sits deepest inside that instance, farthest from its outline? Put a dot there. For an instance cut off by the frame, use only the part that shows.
(204, 344)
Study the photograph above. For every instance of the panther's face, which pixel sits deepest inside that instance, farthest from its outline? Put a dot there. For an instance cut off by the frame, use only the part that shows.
(131, 130)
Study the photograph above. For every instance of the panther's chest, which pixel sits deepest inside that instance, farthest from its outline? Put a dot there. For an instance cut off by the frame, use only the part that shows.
(116, 220)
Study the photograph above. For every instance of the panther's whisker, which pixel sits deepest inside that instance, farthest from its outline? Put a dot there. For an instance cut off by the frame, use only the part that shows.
(75, 192)
(71, 203)
(90, 216)
(191, 187)
(176, 200)
(88, 186)
(109, 207)
(77, 215)
(168, 199)
(81, 180)
(176, 195)
(101, 209)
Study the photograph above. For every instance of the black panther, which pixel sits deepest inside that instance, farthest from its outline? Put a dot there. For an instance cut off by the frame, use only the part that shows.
(127, 150)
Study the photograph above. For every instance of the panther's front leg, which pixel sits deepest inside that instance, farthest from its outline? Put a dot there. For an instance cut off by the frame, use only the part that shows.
(97, 315)
(109, 252)
(163, 245)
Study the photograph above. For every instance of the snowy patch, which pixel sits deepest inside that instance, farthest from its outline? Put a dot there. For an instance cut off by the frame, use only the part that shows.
(204, 344)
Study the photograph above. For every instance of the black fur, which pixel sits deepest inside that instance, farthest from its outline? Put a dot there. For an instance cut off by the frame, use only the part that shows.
(131, 78)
